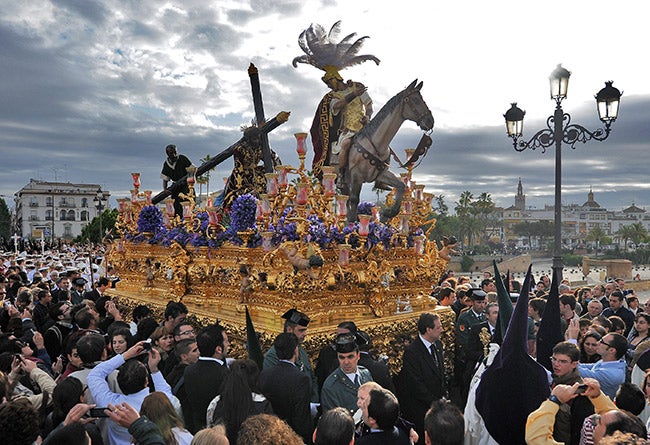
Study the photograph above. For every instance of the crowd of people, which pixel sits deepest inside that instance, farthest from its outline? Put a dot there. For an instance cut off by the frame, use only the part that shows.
(74, 370)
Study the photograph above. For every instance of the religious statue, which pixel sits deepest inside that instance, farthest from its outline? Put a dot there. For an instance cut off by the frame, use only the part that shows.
(347, 107)
(247, 174)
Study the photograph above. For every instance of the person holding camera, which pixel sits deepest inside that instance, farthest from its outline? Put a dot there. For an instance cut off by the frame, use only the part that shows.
(609, 419)
(133, 380)
(572, 413)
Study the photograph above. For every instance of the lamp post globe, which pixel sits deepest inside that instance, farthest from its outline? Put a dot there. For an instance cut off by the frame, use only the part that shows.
(514, 120)
(607, 101)
(559, 82)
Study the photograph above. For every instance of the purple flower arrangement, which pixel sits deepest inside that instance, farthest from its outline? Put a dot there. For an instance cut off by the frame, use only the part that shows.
(150, 219)
(242, 213)
(242, 219)
(365, 208)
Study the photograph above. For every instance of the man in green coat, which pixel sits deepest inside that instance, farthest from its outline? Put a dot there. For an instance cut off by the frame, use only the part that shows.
(341, 386)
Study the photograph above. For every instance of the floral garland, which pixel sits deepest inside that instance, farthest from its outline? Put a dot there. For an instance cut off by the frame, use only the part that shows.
(241, 219)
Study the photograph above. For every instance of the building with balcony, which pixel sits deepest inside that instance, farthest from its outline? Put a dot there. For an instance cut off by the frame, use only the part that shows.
(58, 208)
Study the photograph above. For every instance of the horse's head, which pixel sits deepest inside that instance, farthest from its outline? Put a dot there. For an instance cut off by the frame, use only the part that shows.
(415, 109)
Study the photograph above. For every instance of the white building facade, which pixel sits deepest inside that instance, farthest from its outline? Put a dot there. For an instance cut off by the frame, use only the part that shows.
(577, 220)
(58, 208)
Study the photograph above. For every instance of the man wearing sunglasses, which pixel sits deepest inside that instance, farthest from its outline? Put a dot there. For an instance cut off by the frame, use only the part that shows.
(610, 369)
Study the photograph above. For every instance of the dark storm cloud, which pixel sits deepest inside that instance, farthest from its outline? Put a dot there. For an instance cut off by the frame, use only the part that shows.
(93, 92)
(37, 84)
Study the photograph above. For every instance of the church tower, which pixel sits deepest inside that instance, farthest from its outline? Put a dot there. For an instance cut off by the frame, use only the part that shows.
(520, 198)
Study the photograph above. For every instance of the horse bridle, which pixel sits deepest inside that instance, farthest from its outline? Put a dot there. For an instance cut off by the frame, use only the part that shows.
(373, 159)
(420, 116)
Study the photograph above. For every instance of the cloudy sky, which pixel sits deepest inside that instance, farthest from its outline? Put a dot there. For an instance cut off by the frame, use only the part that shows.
(93, 90)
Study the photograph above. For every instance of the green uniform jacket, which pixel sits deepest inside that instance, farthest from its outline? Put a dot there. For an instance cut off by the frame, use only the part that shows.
(338, 390)
(466, 320)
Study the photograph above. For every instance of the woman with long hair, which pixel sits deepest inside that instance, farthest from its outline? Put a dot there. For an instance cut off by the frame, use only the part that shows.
(637, 338)
(240, 398)
(67, 394)
(162, 339)
(157, 407)
(120, 340)
(641, 330)
(589, 347)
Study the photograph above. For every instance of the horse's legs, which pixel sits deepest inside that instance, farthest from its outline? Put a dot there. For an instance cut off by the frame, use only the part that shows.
(390, 179)
(343, 184)
(353, 200)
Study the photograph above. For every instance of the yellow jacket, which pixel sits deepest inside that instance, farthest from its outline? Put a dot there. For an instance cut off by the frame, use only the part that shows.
(539, 426)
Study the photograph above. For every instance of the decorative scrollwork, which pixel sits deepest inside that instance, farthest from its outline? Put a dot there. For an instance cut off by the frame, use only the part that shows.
(571, 134)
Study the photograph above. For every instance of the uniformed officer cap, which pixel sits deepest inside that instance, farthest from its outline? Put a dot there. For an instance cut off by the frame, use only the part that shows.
(345, 343)
(476, 294)
(364, 341)
(79, 282)
(296, 317)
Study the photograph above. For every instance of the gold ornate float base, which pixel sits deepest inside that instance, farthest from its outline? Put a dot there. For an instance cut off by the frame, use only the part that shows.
(382, 291)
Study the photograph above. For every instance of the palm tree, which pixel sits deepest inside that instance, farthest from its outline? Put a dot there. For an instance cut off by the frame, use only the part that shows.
(483, 209)
(638, 233)
(596, 235)
(464, 203)
(625, 233)
(204, 178)
(463, 212)
(441, 208)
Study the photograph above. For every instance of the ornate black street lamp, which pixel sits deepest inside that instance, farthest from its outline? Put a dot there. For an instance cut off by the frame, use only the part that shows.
(100, 202)
(560, 129)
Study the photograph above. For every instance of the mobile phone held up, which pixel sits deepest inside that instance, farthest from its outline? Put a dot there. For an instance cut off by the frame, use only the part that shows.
(581, 389)
(97, 412)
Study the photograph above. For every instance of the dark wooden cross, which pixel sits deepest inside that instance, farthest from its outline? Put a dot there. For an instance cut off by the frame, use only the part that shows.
(264, 126)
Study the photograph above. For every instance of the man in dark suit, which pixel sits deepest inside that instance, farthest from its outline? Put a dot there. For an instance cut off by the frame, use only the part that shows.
(616, 307)
(296, 323)
(62, 290)
(288, 389)
(379, 370)
(422, 377)
(97, 292)
(380, 412)
(203, 379)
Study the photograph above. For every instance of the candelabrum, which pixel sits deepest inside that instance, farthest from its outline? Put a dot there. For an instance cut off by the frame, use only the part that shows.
(302, 152)
(129, 208)
(294, 197)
